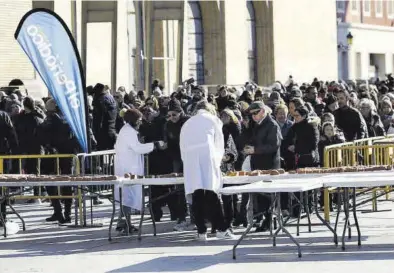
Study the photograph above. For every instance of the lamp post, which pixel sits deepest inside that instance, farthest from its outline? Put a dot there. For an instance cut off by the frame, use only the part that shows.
(349, 38)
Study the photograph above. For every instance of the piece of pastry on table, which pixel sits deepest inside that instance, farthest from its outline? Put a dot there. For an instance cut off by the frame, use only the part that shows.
(274, 172)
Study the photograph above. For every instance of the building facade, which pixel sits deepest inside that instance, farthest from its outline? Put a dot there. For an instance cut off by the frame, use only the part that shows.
(371, 54)
(130, 43)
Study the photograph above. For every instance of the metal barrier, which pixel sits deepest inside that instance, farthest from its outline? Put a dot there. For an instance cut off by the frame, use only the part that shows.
(9, 161)
(370, 151)
(95, 163)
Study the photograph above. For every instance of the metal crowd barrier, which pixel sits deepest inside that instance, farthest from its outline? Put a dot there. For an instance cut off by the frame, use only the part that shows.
(366, 152)
(8, 166)
(95, 163)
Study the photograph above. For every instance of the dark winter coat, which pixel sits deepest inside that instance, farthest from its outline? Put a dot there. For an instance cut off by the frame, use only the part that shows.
(305, 137)
(351, 122)
(8, 137)
(26, 127)
(172, 132)
(375, 126)
(56, 135)
(105, 111)
(159, 162)
(266, 140)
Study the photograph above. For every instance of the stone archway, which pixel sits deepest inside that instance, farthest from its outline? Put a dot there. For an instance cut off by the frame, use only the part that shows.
(265, 42)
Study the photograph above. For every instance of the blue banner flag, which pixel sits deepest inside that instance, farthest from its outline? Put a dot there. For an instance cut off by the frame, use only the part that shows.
(49, 44)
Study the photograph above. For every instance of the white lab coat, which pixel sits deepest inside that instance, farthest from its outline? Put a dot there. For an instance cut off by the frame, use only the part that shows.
(202, 151)
(129, 159)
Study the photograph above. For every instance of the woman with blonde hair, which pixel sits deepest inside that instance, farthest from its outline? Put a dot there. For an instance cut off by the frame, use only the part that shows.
(152, 102)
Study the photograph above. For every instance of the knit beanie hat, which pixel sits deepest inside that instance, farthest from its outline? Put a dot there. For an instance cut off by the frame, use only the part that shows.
(175, 105)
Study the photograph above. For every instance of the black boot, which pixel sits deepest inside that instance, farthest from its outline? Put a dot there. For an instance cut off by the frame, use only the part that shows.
(67, 219)
(240, 221)
(55, 218)
(266, 224)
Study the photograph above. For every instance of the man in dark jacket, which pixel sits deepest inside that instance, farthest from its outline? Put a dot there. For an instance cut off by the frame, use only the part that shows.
(349, 120)
(159, 162)
(8, 145)
(56, 135)
(172, 132)
(26, 126)
(104, 118)
(265, 151)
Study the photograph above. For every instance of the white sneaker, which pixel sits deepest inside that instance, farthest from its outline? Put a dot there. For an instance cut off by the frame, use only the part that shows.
(181, 226)
(202, 237)
(226, 235)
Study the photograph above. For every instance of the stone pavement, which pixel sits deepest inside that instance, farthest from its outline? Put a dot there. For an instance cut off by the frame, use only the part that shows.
(49, 248)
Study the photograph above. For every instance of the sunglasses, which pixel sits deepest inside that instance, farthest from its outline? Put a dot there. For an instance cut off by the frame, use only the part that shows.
(255, 113)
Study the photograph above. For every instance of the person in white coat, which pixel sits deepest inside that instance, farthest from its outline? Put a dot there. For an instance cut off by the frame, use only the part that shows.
(129, 158)
(202, 151)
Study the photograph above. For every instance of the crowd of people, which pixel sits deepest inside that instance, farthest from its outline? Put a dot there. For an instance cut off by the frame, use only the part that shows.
(286, 126)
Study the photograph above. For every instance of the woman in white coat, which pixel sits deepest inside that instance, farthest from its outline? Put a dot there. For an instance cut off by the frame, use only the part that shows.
(129, 158)
(202, 151)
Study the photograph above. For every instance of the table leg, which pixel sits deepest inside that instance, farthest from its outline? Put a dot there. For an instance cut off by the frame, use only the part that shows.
(281, 227)
(249, 214)
(150, 203)
(2, 220)
(339, 204)
(272, 211)
(306, 207)
(349, 227)
(299, 213)
(346, 210)
(355, 217)
(142, 214)
(324, 221)
(18, 215)
(84, 208)
(279, 217)
(113, 213)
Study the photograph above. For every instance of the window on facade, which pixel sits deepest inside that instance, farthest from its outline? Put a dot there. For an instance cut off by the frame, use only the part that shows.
(367, 7)
(251, 21)
(355, 5)
(378, 8)
(390, 8)
(340, 6)
(195, 42)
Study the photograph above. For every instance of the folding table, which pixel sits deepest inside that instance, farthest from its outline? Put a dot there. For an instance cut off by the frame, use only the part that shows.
(351, 181)
(274, 187)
